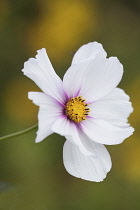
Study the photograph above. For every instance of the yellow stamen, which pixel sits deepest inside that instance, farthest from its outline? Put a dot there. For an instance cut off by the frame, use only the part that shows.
(76, 109)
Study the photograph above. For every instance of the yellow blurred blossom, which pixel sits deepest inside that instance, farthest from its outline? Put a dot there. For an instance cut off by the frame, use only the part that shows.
(131, 154)
(61, 26)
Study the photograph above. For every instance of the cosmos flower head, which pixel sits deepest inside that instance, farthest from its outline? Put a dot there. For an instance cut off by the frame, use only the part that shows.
(86, 107)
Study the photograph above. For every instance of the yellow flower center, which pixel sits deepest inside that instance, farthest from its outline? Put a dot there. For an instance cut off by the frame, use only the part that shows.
(76, 109)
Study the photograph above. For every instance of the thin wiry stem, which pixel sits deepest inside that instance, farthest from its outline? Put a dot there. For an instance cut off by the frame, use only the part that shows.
(19, 133)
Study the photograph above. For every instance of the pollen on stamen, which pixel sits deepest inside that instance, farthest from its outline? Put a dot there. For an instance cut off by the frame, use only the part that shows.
(76, 109)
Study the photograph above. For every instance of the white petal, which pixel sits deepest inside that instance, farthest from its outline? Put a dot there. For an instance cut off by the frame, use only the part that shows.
(101, 78)
(117, 93)
(105, 132)
(49, 110)
(89, 51)
(93, 79)
(93, 167)
(40, 70)
(73, 78)
(115, 106)
(67, 128)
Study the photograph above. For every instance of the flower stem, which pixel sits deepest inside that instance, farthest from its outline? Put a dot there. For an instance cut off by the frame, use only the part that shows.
(18, 133)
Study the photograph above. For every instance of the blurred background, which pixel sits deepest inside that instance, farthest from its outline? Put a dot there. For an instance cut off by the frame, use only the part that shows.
(32, 176)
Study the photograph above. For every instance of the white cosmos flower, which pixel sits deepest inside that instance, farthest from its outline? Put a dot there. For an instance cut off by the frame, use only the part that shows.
(86, 107)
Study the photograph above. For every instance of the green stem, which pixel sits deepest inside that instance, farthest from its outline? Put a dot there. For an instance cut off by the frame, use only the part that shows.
(18, 133)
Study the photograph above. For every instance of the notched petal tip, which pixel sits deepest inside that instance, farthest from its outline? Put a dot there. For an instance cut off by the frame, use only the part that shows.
(131, 108)
(116, 61)
(30, 95)
(41, 51)
(89, 51)
(35, 97)
(38, 140)
(132, 130)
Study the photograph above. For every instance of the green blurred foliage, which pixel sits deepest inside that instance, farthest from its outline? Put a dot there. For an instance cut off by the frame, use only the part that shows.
(32, 175)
